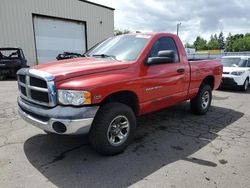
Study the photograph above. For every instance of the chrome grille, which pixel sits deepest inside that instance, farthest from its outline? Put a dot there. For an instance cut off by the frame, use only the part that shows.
(37, 87)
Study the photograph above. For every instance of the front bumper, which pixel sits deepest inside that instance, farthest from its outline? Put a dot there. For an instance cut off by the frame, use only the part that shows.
(228, 82)
(232, 81)
(64, 120)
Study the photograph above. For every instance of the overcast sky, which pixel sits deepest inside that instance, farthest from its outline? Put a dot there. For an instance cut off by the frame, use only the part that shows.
(197, 17)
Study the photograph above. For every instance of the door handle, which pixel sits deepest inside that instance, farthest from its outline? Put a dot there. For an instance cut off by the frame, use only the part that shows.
(181, 70)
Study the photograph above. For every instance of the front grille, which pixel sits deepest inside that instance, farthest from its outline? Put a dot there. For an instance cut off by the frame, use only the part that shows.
(23, 90)
(38, 82)
(39, 96)
(36, 89)
(225, 72)
(22, 78)
(228, 81)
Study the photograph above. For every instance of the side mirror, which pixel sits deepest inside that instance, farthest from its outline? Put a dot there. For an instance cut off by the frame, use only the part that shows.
(167, 53)
(167, 56)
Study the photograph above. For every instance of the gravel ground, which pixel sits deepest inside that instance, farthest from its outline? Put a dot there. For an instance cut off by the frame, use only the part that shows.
(172, 148)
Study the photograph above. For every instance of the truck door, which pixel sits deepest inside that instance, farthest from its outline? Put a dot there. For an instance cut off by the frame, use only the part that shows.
(165, 83)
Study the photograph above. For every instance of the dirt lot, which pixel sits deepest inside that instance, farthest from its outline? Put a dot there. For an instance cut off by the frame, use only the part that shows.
(173, 148)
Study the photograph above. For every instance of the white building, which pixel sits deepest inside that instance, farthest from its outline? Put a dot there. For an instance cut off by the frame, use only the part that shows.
(45, 28)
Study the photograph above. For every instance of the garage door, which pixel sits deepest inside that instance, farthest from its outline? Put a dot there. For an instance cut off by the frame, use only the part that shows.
(55, 36)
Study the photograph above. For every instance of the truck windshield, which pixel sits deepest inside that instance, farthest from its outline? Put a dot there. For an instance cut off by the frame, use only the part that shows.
(122, 48)
(9, 54)
(234, 62)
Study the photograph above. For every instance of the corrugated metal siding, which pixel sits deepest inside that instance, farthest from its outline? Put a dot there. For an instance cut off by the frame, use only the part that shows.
(16, 22)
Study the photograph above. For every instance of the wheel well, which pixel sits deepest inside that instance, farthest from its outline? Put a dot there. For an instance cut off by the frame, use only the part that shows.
(210, 81)
(126, 97)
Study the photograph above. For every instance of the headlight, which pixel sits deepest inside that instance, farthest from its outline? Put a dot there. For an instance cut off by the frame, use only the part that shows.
(76, 98)
(237, 73)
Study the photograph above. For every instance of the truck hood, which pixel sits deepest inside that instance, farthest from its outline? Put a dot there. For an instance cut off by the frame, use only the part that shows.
(231, 69)
(80, 66)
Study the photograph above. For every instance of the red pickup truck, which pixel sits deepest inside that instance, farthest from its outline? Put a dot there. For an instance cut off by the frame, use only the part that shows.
(119, 79)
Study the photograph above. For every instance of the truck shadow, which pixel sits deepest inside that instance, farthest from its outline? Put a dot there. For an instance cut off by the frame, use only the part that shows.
(162, 138)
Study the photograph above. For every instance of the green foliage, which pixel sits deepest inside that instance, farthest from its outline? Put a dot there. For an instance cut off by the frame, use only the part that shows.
(221, 41)
(187, 45)
(200, 43)
(241, 44)
(247, 35)
(238, 43)
(229, 43)
(233, 43)
(213, 43)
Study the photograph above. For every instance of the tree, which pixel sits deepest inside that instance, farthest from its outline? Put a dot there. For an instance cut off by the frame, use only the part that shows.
(241, 44)
(200, 43)
(229, 41)
(247, 34)
(221, 41)
(187, 45)
(233, 43)
(213, 43)
(238, 42)
(215, 37)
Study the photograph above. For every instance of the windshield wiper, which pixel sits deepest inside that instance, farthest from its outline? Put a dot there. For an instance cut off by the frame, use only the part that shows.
(104, 56)
(84, 55)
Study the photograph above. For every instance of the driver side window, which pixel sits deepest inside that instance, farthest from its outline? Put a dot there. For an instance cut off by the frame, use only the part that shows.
(164, 43)
(244, 63)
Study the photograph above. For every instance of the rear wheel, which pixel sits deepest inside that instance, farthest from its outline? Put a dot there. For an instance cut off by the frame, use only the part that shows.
(244, 87)
(202, 102)
(113, 129)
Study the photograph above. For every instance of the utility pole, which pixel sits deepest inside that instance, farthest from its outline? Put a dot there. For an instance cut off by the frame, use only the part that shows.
(178, 27)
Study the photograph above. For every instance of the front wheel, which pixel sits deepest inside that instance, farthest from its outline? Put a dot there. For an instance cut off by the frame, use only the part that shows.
(244, 87)
(202, 102)
(113, 129)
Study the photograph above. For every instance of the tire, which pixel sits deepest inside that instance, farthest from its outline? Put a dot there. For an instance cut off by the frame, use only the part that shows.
(105, 132)
(244, 87)
(202, 102)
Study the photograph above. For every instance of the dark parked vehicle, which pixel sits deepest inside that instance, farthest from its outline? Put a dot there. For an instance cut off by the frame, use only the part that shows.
(11, 60)
(68, 55)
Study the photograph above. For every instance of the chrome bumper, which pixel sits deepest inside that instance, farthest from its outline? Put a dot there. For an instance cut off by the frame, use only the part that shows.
(75, 120)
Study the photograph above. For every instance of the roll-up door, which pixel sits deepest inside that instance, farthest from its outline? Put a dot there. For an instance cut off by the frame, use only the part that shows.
(54, 36)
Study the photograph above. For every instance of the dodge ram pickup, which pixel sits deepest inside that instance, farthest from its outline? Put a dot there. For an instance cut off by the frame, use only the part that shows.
(119, 79)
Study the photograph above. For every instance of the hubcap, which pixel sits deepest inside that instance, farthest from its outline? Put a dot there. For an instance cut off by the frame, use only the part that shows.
(205, 100)
(118, 130)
